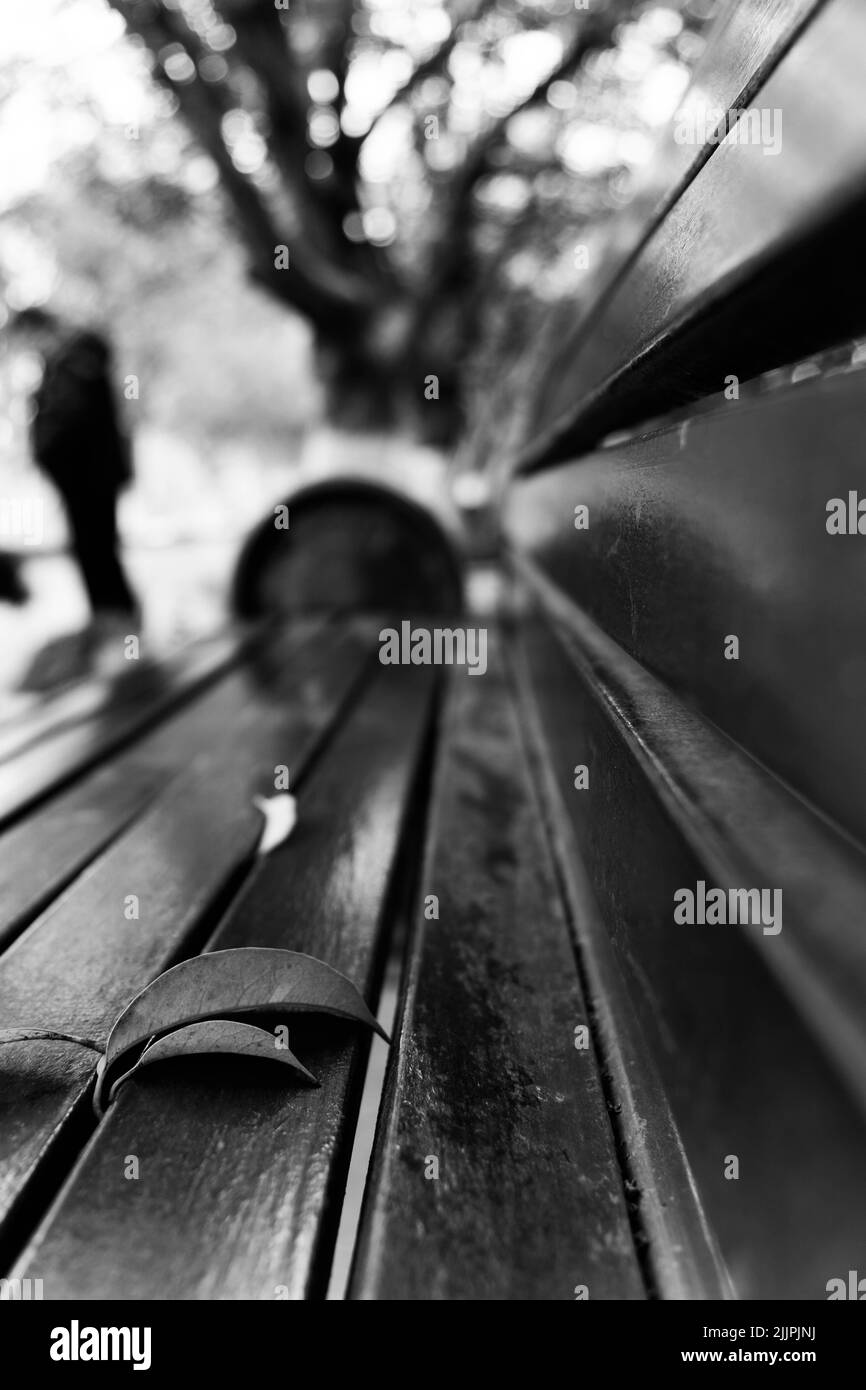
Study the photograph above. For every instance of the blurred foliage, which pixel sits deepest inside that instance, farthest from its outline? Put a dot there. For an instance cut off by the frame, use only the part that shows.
(430, 166)
(161, 272)
(120, 223)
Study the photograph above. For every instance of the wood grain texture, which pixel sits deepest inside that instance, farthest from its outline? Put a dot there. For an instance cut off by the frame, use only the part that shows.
(241, 1176)
(82, 961)
(485, 1077)
(719, 528)
(757, 1040)
(755, 265)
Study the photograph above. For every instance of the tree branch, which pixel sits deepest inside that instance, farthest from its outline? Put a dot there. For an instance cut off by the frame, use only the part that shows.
(322, 204)
(593, 32)
(324, 293)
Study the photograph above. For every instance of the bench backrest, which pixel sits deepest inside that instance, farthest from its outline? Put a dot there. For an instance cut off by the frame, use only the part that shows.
(684, 512)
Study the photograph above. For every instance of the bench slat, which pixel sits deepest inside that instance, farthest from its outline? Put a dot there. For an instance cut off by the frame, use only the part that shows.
(718, 528)
(80, 821)
(758, 1039)
(82, 961)
(42, 854)
(241, 1175)
(485, 1079)
(680, 1253)
(743, 48)
(137, 686)
(775, 278)
(44, 753)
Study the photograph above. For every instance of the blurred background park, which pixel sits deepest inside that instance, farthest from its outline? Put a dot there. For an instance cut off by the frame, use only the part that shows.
(317, 234)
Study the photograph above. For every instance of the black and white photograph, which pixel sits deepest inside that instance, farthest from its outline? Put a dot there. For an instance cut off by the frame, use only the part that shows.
(432, 673)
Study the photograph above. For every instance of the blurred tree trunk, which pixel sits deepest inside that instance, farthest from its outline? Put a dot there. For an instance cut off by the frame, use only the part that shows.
(386, 349)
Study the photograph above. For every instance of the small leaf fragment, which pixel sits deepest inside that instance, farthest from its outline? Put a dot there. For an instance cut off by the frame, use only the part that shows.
(18, 1035)
(248, 979)
(215, 1035)
(281, 814)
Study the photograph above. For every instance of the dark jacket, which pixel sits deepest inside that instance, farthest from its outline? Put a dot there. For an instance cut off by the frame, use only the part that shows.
(76, 434)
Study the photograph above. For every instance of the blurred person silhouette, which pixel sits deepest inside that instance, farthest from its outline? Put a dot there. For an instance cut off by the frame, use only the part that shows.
(78, 442)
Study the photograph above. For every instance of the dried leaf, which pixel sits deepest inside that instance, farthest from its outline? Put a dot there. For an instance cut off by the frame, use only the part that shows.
(281, 814)
(213, 1036)
(249, 979)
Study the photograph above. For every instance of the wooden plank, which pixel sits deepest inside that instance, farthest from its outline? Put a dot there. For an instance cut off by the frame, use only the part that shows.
(42, 757)
(485, 1078)
(240, 1175)
(744, 46)
(79, 822)
(82, 961)
(681, 1258)
(776, 277)
(758, 1039)
(718, 528)
(137, 685)
(42, 854)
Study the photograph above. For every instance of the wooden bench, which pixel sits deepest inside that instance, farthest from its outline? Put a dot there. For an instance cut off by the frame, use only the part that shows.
(585, 1097)
(695, 644)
